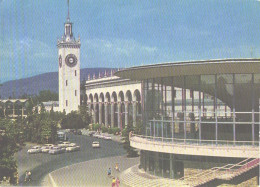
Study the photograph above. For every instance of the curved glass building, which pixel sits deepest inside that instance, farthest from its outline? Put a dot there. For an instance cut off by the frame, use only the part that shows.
(197, 114)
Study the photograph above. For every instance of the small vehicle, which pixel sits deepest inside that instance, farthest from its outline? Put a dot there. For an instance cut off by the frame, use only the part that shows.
(62, 136)
(95, 144)
(107, 137)
(56, 150)
(66, 144)
(72, 148)
(46, 147)
(34, 149)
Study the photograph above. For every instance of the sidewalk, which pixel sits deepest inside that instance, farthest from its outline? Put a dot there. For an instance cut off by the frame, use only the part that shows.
(90, 173)
(94, 173)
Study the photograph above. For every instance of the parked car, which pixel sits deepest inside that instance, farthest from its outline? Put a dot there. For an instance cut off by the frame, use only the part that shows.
(73, 148)
(57, 150)
(107, 137)
(95, 144)
(46, 147)
(34, 149)
(66, 144)
(70, 148)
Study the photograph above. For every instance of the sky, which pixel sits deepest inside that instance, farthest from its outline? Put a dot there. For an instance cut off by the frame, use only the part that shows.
(125, 33)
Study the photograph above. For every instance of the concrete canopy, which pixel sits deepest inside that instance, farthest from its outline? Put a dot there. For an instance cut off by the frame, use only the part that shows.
(204, 67)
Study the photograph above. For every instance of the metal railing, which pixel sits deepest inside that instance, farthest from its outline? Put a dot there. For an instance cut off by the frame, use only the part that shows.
(172, 141)
(227, 172)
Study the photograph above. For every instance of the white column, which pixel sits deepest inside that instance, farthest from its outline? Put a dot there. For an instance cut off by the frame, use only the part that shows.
(126, 114)
(119, 114)
(106, 114)
(94, 112)
(13, 110)
(134, 114)
(89, 107)
(22, 112)
(112, 115)
(100, 113)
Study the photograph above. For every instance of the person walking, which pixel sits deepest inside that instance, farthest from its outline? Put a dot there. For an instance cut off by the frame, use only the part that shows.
(26, 176)
(113, 182)
(117, 182)
(117, 167)
(29, 176)
(109, 172)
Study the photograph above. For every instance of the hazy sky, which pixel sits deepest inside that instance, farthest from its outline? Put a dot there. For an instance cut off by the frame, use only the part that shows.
(125, 33)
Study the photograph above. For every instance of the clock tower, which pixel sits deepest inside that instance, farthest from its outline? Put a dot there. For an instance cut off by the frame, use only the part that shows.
(69, 69)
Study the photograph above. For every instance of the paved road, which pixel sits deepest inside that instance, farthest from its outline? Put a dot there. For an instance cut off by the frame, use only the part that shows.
(41, 164)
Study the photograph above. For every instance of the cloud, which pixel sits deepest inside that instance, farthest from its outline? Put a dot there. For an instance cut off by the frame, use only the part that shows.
(25, 57)
(117, 52)
(119, 47)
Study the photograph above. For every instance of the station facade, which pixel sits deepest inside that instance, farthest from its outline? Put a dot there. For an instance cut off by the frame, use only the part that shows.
(181, 134)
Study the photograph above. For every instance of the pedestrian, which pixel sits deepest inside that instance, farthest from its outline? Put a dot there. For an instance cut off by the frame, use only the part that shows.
(113, 182)
(117, 182)
(117, 167)
(26, 176)
(109, 172)
(29, 176)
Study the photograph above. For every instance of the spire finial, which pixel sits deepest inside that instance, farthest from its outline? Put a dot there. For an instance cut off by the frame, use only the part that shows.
(68, 9)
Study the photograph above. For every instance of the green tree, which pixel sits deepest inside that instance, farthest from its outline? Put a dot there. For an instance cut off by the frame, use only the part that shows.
(72, 121)
(126, 144)
(85, 115)
(47, 95)
(139, 128)
(9, 136)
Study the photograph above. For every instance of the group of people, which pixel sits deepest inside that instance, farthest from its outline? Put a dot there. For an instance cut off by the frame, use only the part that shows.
(115, 181)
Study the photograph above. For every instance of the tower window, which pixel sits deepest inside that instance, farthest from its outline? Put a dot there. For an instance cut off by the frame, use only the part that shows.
(75, 72)
(66, 102)
(66, 82)
(75, 92)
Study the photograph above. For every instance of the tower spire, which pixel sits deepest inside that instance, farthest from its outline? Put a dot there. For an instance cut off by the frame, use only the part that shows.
(68, 9)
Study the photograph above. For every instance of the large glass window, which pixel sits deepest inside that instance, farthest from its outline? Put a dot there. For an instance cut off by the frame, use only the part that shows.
(229, 105)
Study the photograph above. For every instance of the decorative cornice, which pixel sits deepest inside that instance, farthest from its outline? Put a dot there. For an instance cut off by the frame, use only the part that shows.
(68, 45)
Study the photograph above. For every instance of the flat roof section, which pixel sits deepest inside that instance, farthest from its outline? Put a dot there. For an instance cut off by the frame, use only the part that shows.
(203, 67)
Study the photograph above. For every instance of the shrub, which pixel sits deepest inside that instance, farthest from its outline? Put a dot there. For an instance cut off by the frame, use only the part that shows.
(96, 127)
(114, 130)
(110, 131)
(104, 129)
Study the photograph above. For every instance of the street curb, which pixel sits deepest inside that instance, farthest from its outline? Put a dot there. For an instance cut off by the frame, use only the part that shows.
(52, 180)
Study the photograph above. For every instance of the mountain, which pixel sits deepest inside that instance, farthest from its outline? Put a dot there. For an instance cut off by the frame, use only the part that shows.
(46, 81)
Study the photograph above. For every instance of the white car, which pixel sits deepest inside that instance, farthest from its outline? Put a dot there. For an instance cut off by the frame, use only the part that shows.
(57, 150)
(46, 148)
(95, 144)
(96, 135)
(35, 149)
(66, 144)
(107, 137)
(72, 148)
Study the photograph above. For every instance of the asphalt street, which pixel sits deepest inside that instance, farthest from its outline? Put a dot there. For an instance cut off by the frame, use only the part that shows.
(41, 164)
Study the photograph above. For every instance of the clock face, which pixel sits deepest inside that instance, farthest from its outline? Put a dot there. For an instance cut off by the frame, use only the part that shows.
(60, 61)
(71, 60)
